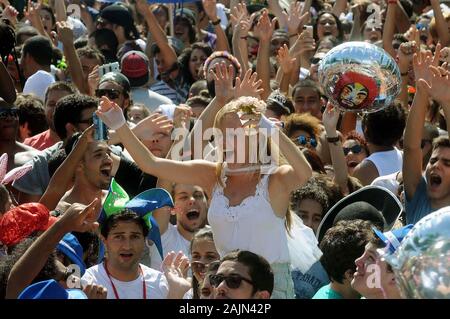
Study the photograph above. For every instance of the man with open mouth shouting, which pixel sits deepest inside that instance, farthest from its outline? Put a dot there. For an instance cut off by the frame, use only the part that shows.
(427, 192)
(190, 209)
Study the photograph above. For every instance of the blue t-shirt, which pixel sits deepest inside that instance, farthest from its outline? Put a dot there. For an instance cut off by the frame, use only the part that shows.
(306, 285)
(327, 293)
(419, 206)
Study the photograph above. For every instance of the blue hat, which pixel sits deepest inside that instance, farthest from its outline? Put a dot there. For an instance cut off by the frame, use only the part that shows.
(50, 289)
(144, 204)
(70, 247)
(393, 238)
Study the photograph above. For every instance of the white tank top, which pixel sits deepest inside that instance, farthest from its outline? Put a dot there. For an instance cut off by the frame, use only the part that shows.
(388, 162)
(251, 225)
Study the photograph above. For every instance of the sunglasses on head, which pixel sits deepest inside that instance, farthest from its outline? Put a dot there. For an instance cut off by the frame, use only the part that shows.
(232, 281)
(303, 140)
(356, 149)
(111, 93)
(199, 267)
(4, 113)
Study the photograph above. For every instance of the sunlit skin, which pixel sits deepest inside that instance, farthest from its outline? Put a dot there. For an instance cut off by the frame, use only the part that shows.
(124, 245)
(311, 213)
(363, 275)
(159, 144)
(135, 114)
(245, 290)
(437, 174)
(88, 65)
(190, 207)
(307, 100)
(206, 290)
(351, 158)
(52, 98)
(353, 94)
(372, 35)
(327, 26)
(204, 251)
(46, 20)
(97, 165)
(121, 100)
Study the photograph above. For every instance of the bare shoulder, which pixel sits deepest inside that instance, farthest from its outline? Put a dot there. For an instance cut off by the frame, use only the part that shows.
(366, 172)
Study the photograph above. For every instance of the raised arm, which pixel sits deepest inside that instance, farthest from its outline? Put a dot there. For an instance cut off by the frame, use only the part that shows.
(339, 7)
(264, 30)
(60, 181)
(287, 66)
(211, 11)
(441, 24)
(405, 57)
(241, 23)
(412, 158)
(7, 89)
(330, 119)
(65, 35)
(389, 28)
(157, 32)
(175, 171)
(60, 10)
(77, 218)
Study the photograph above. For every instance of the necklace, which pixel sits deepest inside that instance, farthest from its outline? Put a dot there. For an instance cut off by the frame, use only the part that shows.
(144, 288)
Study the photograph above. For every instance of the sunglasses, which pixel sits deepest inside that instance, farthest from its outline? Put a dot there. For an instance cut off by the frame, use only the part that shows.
(356, 149)
(111, 93)
(421, 26)
(199, 267)
(303, 140)
(5, 113)
(315, 60)
(232, 281)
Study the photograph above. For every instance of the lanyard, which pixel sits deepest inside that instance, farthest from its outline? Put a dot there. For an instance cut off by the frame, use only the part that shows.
(144, 288)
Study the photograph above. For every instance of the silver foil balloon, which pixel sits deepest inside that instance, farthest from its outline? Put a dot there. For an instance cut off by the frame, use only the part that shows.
(359, 77)
(422, 262)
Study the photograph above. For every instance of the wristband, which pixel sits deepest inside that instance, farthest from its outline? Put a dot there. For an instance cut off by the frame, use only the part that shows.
(217, 22)
(333, 140)
(114, 119)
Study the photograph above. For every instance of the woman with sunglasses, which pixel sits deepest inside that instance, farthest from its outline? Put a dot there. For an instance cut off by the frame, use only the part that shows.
(204, 254)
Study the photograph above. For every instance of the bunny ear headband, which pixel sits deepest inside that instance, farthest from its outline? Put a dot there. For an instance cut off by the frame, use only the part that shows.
(12, 175)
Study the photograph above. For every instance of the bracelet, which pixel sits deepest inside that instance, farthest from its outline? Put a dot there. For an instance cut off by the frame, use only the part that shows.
(333, 140)
(217, 22)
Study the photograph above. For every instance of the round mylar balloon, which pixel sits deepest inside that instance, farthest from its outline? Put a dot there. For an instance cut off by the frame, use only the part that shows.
(359, 77)
(422, 262)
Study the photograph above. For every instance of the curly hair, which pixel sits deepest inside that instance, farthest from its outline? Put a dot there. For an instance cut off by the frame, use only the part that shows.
(353, 135)
(184, 58)
(305, 122)
(385, 128)
(311, 190)
(342, 245)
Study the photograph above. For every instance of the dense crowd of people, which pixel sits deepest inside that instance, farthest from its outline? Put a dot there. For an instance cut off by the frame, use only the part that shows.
(189, 151)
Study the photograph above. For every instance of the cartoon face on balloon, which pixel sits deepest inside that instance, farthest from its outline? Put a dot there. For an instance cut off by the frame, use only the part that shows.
(355, 91)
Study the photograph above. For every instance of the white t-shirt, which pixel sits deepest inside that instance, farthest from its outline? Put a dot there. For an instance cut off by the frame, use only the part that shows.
(171, 240)
(38, 83)
(155, 282)
(150, 99)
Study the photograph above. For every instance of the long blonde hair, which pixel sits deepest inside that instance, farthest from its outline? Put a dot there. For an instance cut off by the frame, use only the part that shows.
(248, 105)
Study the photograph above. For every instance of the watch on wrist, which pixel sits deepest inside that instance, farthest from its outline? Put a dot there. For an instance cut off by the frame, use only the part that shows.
(217, 22)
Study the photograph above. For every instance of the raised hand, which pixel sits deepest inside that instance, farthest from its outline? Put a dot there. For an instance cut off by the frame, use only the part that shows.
(110, 113)
(210, 9)
(142, 6)
(422, 62)
(93, 80)
(81, 218)
(155, 123)
(286, 62)
(238, 13)
(174, 267)
(264, 28)
(304, 44)
(223, 82)
(182, 116)
(248, 86)
(295, 20)
(10, 13)
(330, 119)
(438, 85)
(94, 291)
(65, 32)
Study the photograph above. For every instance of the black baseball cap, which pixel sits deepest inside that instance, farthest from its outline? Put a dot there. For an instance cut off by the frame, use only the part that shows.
(120, 15)
(375, 204)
